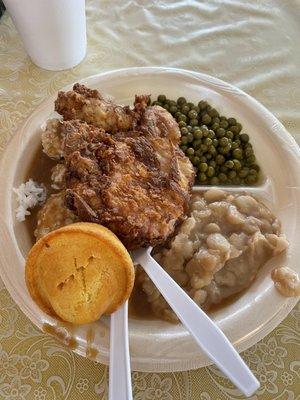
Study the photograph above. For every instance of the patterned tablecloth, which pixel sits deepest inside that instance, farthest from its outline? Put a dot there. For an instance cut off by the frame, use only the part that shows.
(255, 46)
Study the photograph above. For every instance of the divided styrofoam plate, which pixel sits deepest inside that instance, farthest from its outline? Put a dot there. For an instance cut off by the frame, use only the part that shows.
(157, 345)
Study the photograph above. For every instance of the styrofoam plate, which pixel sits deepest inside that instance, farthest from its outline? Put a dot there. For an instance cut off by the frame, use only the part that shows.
(158, 345)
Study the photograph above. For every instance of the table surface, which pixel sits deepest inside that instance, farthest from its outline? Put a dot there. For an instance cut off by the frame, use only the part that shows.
(253, 45)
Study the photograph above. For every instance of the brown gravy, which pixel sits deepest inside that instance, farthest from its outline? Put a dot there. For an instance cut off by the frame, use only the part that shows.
(139, 308)
(40, 171)
(63, 336)
(91, 351)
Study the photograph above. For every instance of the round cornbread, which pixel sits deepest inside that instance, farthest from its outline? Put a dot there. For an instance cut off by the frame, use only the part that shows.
(79, 272)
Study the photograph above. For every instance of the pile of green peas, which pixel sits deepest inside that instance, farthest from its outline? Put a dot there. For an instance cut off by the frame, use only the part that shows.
(219, 151)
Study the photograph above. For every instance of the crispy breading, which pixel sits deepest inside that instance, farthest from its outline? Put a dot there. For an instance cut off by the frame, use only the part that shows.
(89, 105)
(137, 181)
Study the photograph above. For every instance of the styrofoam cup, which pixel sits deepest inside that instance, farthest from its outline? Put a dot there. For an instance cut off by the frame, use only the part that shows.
(53, 31)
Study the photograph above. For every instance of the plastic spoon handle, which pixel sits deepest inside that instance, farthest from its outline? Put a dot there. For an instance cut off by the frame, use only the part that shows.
(206, 333)
(119, 359)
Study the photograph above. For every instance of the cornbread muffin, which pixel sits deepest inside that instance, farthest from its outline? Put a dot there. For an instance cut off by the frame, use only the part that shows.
(79, 272)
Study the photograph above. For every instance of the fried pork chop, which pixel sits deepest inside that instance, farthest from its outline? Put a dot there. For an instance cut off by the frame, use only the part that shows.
(137, 181)
(88, 105)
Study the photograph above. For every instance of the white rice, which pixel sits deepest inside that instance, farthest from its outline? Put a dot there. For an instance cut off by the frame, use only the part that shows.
(29, 195)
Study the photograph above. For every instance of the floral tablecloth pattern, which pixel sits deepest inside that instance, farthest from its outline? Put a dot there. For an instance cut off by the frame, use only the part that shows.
(255, 46)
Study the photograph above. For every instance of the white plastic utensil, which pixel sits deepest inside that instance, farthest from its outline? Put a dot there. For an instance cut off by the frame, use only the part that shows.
(119, 359)
(206, 333)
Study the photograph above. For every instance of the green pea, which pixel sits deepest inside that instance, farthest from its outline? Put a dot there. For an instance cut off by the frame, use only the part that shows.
(237, 164)
(236, 181)
(234, 145)
(231, 121)
(252, 171)
(229, 135)
(192, 114)
(202, 159)
(198, 134)
(206, 119)
(243, 172)
(227, 149)
(202, 105)
(234, 129)
(190, 128)
(185, 109)
(184, 148)
(161, 98)
(173, 109)
(239, 126)
(249, 152)
(224, 124)
(256, 167)
(215, 120)
(250, 179)
(212, 150)
(177, 115)
(212, 163)
(199, 153)
(157, 103)
(193, 122)
(223, 141)
(210, 171)
(203, 167)
(189, 137)
(166, 106)
(229, 164)
(208, 156)
(181, 124)
(215, 142)
(215, 126)
(208, 141)
(184, 140)
(237, 153)
(220, 132)
(202, 177)
(223, 169)
(182, 117)
(222, 177)
(172, 103)
(181, 101)
(231, 174)
(196, 160)
(244, 137)
(196, 108)
(191, 105)
(204, 147)
(251, 160)
(213, 112)
(184, 130)
(190, 151)
(197, 144)
(205, 133)
(220, 159)
(214, 181)
(211, 134)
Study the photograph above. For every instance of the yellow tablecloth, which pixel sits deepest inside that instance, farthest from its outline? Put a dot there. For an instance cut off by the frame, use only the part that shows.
(255, 46)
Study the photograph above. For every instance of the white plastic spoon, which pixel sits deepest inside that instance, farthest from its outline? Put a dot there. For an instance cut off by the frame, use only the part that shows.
(206, 333)
(119, 359)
